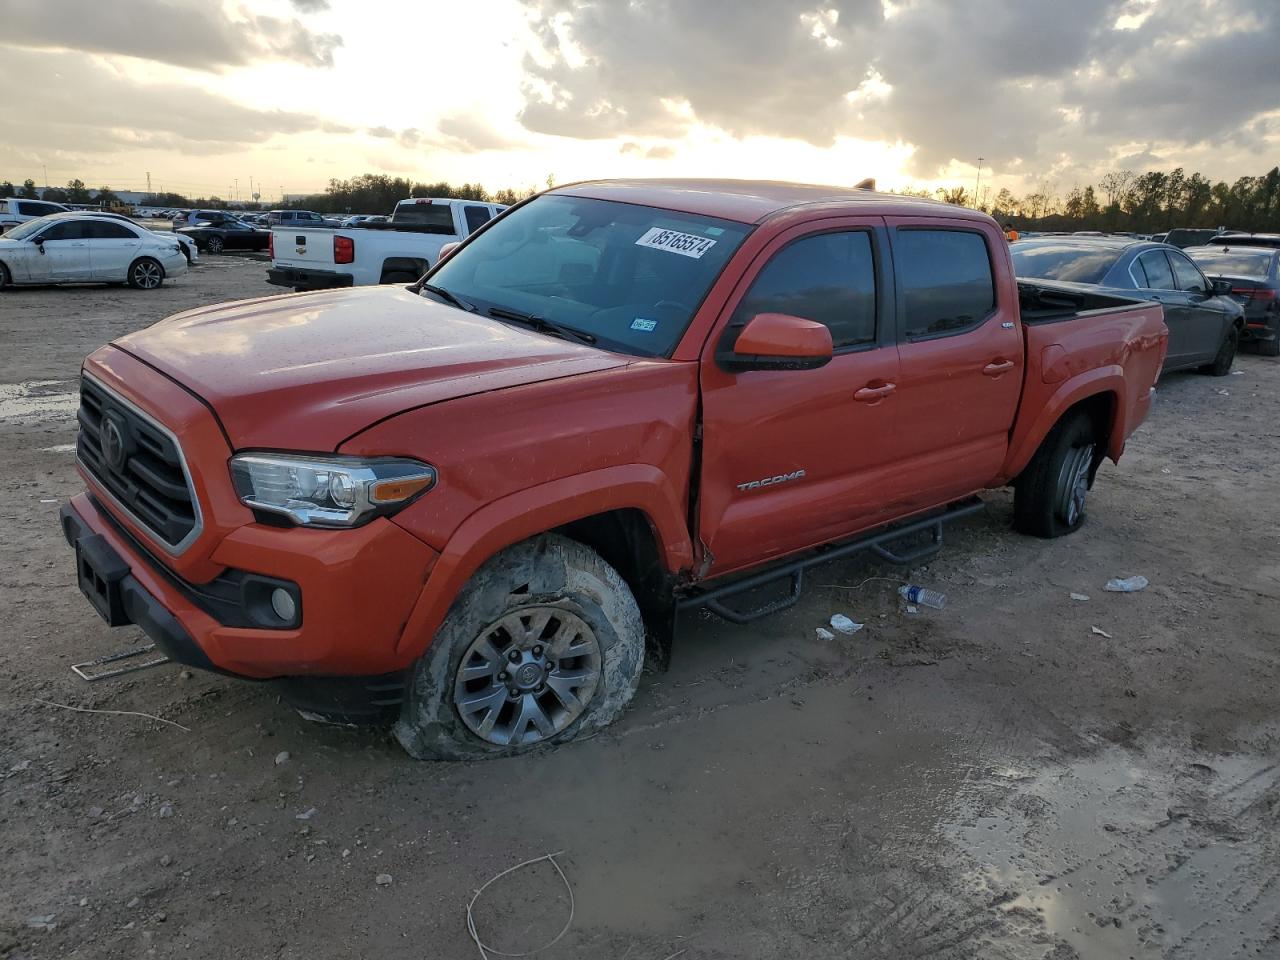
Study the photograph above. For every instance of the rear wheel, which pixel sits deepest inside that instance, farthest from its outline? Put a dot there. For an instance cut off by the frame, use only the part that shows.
(543, 645)
(214, 244)
(146, 274)
(1221, 365)
(1269, 348)
(5, 280)
(1049, 495)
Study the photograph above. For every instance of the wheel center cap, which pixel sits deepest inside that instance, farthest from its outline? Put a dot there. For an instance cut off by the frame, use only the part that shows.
(528, 676)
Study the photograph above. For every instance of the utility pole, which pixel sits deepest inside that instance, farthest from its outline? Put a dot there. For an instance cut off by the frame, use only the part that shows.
(45, 168)
(148, 181)
(977, 183)
(237, 193)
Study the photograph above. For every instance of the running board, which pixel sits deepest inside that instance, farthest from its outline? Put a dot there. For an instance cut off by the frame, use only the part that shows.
(884, 544)
(86, 672)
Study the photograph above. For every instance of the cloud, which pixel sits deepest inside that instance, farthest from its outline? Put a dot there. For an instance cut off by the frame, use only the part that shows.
(662, 151)
(82, 106)
(311, 6)
(468, 133)
(197, 34)
(1042, 83)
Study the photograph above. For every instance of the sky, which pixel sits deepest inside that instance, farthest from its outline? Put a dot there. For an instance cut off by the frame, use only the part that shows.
(209, 96)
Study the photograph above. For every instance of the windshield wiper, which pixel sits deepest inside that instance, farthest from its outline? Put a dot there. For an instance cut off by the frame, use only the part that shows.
(449, 297)
(542, 324)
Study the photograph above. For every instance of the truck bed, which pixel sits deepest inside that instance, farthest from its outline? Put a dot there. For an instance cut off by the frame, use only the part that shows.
(1047, 302)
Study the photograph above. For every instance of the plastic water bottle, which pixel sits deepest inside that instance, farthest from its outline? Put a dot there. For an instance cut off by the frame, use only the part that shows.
(929, 598)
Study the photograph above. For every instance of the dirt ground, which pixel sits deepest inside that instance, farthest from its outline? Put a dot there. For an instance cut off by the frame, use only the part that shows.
(998, 779)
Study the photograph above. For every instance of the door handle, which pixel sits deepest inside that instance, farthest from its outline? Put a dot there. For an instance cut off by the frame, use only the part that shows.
(872, 394)
(997, 367)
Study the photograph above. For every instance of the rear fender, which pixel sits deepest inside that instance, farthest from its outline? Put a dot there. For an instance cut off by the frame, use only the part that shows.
(545, 507)
(1106, 381)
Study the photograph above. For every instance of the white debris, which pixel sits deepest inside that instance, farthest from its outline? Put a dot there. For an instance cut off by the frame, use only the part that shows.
(382, 879)
(1127, 585)
(1100, 632)
(844, 625)
(306, 814)
(1079, 596)
(825, 634)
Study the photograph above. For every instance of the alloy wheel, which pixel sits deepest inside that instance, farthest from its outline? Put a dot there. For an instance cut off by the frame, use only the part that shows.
(1073, 484)
(147, 275)
(527, 676)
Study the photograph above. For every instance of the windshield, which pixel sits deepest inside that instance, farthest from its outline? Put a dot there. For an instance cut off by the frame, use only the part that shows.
(24, 230)
(1074, 262)
(631, 276)
(1234, 263)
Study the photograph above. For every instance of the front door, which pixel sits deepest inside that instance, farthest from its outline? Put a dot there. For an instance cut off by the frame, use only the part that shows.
(961, 349)
(792, 458)
(66, 253)
(1207, 315)
(1153, 274)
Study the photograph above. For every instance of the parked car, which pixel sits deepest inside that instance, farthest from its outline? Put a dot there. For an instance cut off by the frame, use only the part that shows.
(356, 220)
(225, 232)
(88, 248)
(1247, 239)
(400, 251)
(1189, 236)
(14, 210)
(299, 218)
(1253, 272)
(1158, 237)
(475, 498)
(1205, 323)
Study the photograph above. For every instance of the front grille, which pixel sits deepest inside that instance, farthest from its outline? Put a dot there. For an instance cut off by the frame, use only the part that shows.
(138, 463)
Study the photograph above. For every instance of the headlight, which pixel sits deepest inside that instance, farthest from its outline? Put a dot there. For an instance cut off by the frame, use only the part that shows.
(328, 491)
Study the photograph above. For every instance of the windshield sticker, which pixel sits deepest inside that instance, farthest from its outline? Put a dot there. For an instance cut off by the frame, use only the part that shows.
(646, 326)
(685, 244)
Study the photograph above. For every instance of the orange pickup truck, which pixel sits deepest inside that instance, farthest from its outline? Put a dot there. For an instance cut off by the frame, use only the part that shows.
(472, 504)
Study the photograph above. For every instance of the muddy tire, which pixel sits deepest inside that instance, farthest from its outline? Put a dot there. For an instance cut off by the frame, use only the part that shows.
(543, 645)
(1049, 495)
(146, 274)
(1221, 365)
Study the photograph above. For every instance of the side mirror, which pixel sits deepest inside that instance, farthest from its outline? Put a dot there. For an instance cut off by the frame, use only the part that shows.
(778, 341)
(1221, 288)
(447, 250)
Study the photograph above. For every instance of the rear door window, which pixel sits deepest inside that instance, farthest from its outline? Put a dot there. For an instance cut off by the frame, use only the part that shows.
(946, 280)
(477, 217)
(1151, 270)
(100, 230)
(829, 278)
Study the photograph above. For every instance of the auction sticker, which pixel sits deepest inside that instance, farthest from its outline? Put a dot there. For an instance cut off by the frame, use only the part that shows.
(643, 325)
(685, 244)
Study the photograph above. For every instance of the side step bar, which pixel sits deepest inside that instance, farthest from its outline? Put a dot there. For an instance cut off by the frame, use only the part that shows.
(885, 545)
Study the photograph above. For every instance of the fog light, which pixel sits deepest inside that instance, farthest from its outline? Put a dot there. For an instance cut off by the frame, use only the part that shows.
(283, 604)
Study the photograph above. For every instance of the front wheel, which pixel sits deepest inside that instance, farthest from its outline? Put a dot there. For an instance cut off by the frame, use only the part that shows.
(1049, 495)
(146, 274)
(1226, 356)
(544, 645)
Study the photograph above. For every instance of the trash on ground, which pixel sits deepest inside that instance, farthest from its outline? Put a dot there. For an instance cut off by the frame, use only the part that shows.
(1102, 633)
(282, 757)
(912, 609)
(825, 634)
(844, 625)
(1126, 585)
(484, 948)
(1223, 393)
(382, 879)
(1079, 596)
(306, 814)
(930, 598)
(44, 922)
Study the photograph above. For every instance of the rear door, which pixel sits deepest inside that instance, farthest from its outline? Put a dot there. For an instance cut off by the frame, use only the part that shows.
(66, 253)
(112, 247)
(961, 351)
(1208, 314)
(1153, 274)
(792, 458)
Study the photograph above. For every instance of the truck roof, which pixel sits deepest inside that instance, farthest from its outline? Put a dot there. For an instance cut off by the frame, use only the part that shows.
(752, 201)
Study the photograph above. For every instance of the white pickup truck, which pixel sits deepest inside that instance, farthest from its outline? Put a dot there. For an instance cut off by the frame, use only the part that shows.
(398, 251)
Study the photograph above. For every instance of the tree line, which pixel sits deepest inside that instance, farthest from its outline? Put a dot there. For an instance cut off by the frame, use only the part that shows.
(1123, 200)
(368, 193)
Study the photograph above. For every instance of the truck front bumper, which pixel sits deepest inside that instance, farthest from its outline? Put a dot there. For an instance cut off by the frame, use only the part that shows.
(304, 278)
(338, 657)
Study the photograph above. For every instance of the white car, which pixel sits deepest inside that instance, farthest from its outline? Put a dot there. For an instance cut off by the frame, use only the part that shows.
(83, 248)
(16, 210)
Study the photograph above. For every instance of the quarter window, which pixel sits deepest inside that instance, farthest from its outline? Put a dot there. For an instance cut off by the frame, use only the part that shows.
(1152, 270)
(947, 281)
(829, 278)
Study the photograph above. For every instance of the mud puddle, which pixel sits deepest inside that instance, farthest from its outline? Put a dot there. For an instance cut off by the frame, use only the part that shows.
(38, 401)
(1127, 855)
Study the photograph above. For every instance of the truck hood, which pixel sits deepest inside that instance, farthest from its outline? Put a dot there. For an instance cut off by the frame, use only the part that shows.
(307, 371)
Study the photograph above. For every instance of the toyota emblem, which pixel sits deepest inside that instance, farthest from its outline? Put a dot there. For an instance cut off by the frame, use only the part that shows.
(113, 443)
